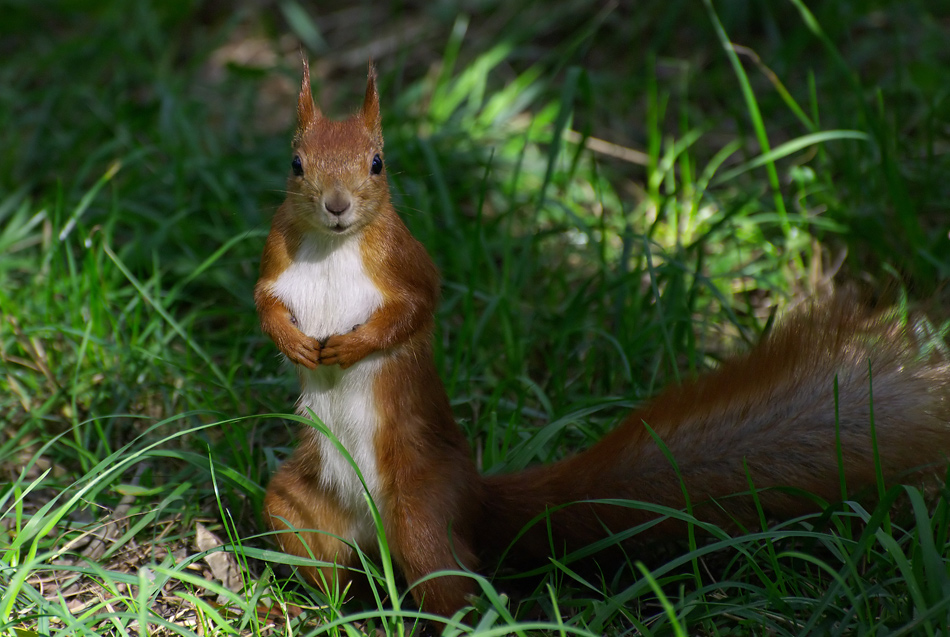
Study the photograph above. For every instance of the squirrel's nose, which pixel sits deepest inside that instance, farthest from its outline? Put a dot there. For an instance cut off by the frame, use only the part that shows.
(337, 203)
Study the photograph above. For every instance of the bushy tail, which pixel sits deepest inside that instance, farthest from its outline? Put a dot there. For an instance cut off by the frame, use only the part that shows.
(769, 415)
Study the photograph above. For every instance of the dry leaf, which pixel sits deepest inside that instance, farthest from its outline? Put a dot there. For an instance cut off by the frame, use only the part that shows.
(224, 566)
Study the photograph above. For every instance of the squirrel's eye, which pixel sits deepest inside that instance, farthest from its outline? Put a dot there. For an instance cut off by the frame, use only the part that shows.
(297, 166)
(377, 166)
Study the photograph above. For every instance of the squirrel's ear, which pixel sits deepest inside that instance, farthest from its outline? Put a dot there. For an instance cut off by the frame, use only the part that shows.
(307, 110)
(370, 112)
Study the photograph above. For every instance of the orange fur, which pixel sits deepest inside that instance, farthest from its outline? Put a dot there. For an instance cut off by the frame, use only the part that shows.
(428, 482)
(295, 500)
(770, 412)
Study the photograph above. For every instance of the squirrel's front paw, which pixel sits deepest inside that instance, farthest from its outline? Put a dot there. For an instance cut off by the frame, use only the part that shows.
(344, 350)
(302, 350)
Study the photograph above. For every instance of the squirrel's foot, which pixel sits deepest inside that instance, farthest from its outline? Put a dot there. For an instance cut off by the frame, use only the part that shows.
(344, 349)
(302, 350)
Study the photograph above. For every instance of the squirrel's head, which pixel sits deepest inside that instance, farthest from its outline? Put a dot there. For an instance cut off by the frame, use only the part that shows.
(338, 183)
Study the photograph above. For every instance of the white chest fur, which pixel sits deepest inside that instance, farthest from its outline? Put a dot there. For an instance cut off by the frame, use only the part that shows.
(329, 292)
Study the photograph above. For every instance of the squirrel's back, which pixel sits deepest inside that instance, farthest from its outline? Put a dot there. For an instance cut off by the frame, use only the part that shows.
(778, 415)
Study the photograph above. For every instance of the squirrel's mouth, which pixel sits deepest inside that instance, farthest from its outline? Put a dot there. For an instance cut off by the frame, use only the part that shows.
(337, 225)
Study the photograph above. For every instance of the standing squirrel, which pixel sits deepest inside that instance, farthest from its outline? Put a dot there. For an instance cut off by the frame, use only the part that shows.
(348, 296)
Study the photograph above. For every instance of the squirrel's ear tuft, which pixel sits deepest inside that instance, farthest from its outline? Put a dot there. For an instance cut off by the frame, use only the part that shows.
(307, 111)
(370, 112)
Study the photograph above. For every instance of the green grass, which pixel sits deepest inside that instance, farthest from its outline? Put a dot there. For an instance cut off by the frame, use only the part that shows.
(616, 199)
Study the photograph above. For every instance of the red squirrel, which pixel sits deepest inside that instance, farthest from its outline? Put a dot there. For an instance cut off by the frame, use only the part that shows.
(348, 296)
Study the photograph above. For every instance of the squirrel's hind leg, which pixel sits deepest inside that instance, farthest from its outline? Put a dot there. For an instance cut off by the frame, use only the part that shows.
(426, 541)
(310, 523)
